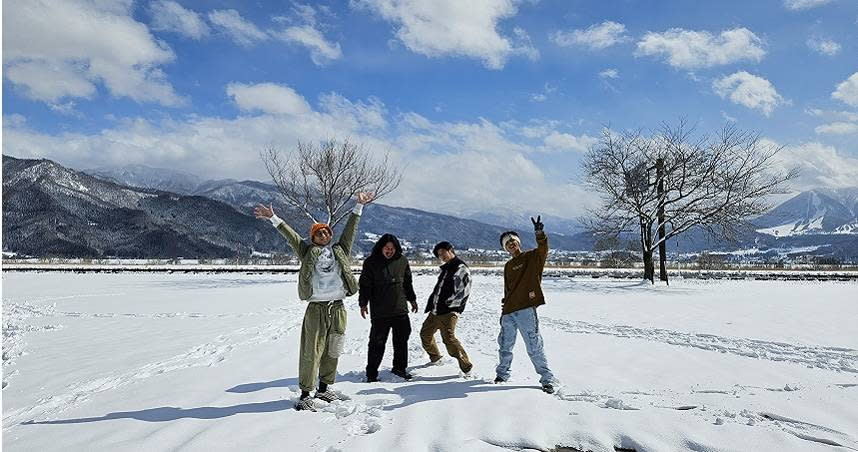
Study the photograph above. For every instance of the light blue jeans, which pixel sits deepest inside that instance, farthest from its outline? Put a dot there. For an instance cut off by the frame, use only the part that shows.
(526, 322)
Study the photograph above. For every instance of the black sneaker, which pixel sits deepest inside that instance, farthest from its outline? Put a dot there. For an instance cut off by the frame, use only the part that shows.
(548, 388)
(371, 379)
(402, 374)
(499, 380)
(305, 404)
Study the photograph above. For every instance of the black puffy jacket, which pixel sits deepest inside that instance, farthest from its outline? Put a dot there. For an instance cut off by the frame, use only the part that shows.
(385, 285)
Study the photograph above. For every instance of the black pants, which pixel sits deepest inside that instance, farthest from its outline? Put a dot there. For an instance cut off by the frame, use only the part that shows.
(378, 333)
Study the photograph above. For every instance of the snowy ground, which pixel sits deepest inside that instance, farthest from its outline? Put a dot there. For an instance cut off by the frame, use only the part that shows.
(209, 362)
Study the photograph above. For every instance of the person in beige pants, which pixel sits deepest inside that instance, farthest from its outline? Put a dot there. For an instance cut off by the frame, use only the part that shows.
(445, 305)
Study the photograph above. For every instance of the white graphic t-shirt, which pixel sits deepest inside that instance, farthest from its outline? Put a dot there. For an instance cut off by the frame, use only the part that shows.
(327, 278)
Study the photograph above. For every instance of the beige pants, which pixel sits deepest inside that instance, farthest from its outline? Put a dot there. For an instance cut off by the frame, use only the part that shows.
(447, 324)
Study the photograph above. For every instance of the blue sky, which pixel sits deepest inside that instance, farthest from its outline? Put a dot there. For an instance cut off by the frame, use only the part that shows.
(490, 104)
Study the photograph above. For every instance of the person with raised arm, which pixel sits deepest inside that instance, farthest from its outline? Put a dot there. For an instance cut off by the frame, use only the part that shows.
(522, 293)
(324, 280)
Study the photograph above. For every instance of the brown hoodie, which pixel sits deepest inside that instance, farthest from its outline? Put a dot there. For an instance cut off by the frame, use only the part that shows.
(522, 277)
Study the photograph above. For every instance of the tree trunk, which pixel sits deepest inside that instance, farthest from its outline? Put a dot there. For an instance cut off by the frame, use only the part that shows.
(649, 267)
(662, 245)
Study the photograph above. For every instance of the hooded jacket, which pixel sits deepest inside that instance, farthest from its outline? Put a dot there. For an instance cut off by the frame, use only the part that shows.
(522, 277)
(452, 290)
(385, 284)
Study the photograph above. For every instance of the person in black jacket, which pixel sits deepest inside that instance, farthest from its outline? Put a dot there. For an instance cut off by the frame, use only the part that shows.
(444, 306)
(385, 287)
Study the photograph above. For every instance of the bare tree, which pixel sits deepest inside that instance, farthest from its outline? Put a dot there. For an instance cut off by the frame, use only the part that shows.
(674, 181)
(319, 181)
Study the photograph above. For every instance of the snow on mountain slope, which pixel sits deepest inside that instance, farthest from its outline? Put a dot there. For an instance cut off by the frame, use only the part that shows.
(812, 212)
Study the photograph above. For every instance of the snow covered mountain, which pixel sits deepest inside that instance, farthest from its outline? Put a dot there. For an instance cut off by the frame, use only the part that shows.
(515, 219)
(50, 210)
(143, 176)
(813, 212)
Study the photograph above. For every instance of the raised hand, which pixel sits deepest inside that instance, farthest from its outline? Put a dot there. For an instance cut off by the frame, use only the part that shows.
(365, 197)
(537, 223)
(262, 212)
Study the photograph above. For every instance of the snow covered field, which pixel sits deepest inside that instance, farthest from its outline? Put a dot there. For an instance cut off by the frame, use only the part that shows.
(151, 361)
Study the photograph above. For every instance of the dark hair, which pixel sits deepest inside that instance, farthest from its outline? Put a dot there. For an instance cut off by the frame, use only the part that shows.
(384, 240)
(506, 234)
(442, 246)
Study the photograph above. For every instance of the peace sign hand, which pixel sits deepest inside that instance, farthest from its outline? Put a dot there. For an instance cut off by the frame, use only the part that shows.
(537, 223)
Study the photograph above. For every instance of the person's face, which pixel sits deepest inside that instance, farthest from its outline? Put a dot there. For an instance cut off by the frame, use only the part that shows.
(445, 255)
(322, 237)
(388, 250)
(513, 247)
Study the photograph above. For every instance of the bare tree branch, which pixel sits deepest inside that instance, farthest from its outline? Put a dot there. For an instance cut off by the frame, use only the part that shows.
(321, 180)
(714, 182)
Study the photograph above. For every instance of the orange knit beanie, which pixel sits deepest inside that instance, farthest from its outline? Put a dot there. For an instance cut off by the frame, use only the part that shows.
(316, 226)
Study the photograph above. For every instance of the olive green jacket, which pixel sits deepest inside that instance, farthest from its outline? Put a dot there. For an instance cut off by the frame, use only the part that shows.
(308, 253)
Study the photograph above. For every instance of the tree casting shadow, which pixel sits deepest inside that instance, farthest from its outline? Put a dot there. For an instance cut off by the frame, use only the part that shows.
(169, 413)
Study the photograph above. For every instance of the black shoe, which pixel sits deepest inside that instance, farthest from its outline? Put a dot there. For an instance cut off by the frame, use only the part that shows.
(499, 380)
(548, 388)
(402, 373)
(371, 379)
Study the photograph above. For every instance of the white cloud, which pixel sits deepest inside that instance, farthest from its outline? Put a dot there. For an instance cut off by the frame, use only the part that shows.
(797, 5)
(305, 29)
(850, 116)
(819, 166)
(57, 50)
(543, 96)
(823, 46)
(838, 128)
(168, 15)
(749, 90)
(453, 27)
(595, 37)
(609, 73)
(727, 117)
(321, 51)
(242, 31)
(50, 80)
(357, 115)
(268, 98)
(847, 91)
(687, 49)
(448, 164)
(565, 141)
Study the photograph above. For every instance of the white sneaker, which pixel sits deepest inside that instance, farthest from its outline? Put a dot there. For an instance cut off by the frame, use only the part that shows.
(305, 404)
(329, 396)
